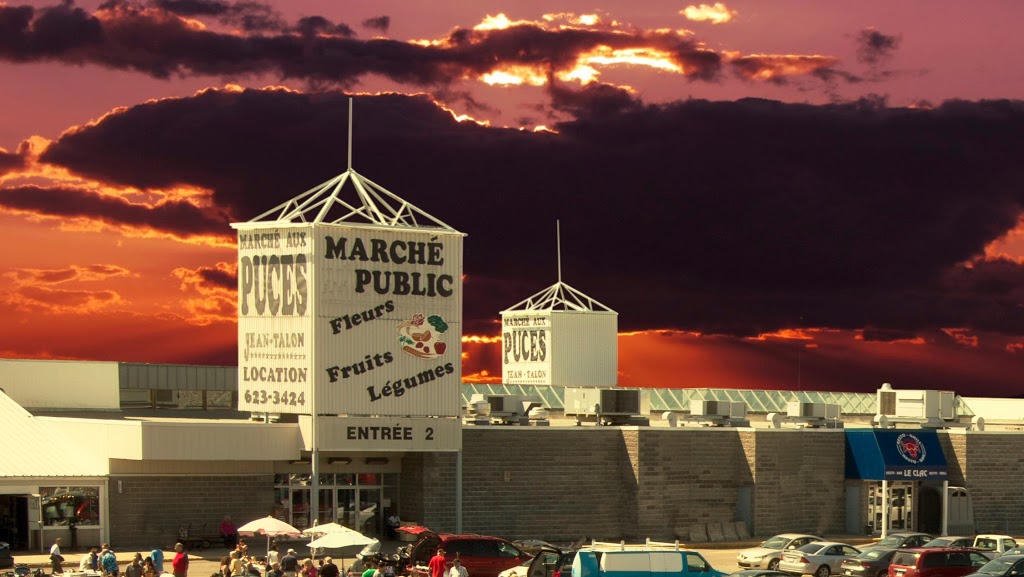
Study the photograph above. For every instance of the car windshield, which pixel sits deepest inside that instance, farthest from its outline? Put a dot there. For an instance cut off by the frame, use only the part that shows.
(997, 566)
(939, 542)
(811, 548)
(776, 543)
(890, 541)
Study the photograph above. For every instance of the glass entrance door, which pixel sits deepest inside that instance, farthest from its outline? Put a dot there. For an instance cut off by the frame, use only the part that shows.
(900, 503)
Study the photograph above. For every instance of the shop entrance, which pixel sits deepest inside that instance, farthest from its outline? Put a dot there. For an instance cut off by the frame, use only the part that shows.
(14, 521)
(353, 500)
(901, 506)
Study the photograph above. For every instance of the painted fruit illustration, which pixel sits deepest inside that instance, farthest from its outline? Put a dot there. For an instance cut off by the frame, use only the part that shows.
(420, 336)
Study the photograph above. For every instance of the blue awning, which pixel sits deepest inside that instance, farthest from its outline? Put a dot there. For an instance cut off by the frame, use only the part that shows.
(894, 455)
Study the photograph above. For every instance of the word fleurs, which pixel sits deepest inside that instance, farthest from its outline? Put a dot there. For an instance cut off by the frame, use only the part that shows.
(356, 319)
(276, 284)
(400, 386)
(401, 252)
(525, 345)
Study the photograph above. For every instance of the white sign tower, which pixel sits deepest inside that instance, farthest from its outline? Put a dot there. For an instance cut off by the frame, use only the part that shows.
(350, 305)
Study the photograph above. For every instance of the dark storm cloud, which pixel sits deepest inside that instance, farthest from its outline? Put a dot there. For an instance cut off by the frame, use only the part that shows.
(10, 161)
(180, 219)
(157, 40)
(381, 23)
(874, 47)
(719, 217)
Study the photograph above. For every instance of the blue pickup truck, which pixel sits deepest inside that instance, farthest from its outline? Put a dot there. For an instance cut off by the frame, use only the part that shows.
(641, 563)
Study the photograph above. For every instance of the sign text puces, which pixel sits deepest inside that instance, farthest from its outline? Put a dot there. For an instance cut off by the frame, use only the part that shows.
(526, 355)
(275, 354)
(371, 317)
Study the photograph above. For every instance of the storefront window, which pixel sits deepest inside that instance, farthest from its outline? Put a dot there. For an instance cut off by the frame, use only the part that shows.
(63, 505)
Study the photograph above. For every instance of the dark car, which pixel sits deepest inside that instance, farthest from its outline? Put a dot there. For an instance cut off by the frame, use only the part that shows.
(6, 560)
(1005, 565)
(951, 541)
(481, 555)
(936, 562)
(759, 573)
(900, 540)
(872, 562)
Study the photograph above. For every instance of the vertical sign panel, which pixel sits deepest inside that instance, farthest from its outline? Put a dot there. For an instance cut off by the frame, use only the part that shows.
(526, 348)
(388, 321)
(275, 312)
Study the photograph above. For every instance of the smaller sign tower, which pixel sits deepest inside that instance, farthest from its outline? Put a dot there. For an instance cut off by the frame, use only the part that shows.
(561, 337)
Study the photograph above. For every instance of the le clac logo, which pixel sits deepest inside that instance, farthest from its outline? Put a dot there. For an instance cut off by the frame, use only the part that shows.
(420, 336)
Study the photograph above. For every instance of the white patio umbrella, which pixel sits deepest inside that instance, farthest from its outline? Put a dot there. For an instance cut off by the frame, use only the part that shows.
(335, 536)
(269, 526)
(317, 530)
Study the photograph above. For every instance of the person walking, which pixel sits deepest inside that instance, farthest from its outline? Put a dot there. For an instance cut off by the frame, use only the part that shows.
(108, 563)
(457, 569)
(90, 561)
(329, 569)
(158, 559)
(179, 565)
(228, 532)
(290, 564)
(134, 569)
(437, 564)
(56, 558)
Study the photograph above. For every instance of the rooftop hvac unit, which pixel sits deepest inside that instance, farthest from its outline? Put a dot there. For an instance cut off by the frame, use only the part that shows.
(719, 409)
(608, 406)
(917, 404)
(507, 409)
(812, 410)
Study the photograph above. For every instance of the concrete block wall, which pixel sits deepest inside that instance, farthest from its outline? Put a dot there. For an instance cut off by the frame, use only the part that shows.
(799, 481)
(688, 476)
(551, 483)
(427, 490)
(995, 476)
(150, 510)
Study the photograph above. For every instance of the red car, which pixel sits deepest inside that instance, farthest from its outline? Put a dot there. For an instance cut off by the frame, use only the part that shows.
(936, 562)
(482, 556)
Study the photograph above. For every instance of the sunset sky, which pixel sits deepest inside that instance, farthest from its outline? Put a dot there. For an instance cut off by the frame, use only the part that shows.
(771, 194)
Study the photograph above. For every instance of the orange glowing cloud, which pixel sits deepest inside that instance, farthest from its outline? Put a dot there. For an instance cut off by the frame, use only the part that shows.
(38, 299)
(717, 13)
(773, 67)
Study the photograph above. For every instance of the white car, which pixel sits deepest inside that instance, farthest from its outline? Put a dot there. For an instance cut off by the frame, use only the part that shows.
(767, 554)
(821, 558)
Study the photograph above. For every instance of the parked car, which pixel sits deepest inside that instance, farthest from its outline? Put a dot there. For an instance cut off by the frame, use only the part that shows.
(951, 541)
(1018, 550)
(996, 544)
(767, 554)
(481, 555)
(901, 540)
(548, 561)
(936, 562)
(6, 560)
(1006, 565)
(821, 558)
(758, 573)
(872, 562)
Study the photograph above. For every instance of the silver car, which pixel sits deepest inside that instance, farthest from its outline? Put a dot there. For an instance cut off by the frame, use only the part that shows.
(767, 554)
(821, 558)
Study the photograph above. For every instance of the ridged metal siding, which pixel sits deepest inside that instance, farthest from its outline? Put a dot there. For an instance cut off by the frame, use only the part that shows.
(177, 377)
(584, 348)
(369, 368)
(275, 356)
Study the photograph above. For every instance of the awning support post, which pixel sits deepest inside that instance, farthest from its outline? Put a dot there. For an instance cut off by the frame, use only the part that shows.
(885, 508)
(945, 507)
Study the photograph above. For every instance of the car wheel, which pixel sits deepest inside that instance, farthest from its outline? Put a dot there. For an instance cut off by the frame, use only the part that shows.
(823, 571)
(773, 565)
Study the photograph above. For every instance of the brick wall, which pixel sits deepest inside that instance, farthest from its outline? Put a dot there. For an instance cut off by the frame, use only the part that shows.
(687, 476)
(995, 476)
(149, 510)
(548, 483)
(799, 481)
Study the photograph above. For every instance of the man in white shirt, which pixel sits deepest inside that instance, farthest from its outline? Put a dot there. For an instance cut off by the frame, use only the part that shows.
(55, 557)
(457, 569)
